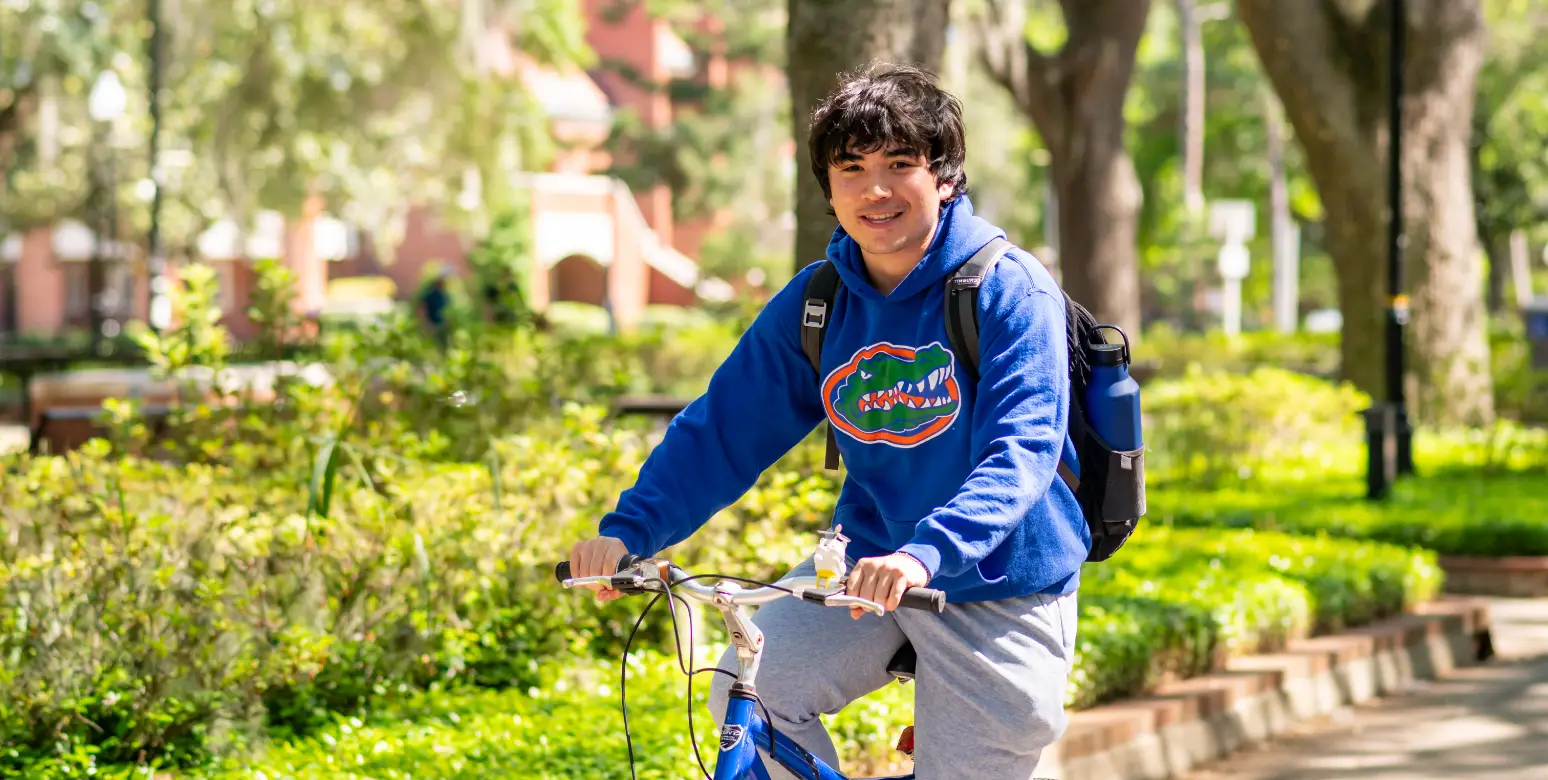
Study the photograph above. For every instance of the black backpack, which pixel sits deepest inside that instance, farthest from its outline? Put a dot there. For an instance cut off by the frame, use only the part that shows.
(1112, 491)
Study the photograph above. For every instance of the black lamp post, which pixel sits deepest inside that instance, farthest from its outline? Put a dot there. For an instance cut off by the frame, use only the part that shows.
(1389, 435)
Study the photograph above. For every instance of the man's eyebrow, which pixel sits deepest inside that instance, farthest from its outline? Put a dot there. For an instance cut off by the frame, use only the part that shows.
(847, 155)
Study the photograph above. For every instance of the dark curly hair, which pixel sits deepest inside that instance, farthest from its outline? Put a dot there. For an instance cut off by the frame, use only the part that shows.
(886, 105)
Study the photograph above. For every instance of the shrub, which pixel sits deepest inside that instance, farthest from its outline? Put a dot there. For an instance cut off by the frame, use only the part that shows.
(170, 606)
(568, 725)
(1176, 603)
(1170, 354)
(188, 606)
(1207, 427)
(1520, 391)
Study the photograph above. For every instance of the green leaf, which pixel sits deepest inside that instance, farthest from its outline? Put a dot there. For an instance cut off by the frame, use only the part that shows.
(324, 466)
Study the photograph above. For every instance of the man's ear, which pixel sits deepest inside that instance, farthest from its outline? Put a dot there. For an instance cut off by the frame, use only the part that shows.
(945, 190)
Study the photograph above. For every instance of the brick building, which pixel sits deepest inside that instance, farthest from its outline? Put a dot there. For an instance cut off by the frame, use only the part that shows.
(594, 239)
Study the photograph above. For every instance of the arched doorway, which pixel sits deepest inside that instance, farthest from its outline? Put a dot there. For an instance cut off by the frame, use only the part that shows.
(577, 278)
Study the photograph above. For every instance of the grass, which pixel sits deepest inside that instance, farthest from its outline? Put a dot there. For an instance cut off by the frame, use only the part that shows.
(1471, 494)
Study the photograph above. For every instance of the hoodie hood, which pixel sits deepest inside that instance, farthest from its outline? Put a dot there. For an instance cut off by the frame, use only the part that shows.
(959, 234)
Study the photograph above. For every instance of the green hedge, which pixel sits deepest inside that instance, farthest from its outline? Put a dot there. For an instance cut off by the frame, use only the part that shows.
(569, 726)
(189, 611)
(1176, 603)
(184, 611)
(1208, 428)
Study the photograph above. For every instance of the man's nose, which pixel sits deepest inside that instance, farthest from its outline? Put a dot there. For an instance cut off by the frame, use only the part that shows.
(876, 190)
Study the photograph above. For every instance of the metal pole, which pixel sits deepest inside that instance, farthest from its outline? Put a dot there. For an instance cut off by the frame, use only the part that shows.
(160, 306)
(98, 200)
(109, 316)
(1397, 302)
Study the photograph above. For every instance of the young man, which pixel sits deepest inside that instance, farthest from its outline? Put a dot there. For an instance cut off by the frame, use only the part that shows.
(951, 482)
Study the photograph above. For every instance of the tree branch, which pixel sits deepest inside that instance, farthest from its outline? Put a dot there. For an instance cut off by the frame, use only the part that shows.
(1032, 78)
(12, 117)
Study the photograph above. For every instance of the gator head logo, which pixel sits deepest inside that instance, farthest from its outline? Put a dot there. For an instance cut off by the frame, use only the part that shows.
(898, 395)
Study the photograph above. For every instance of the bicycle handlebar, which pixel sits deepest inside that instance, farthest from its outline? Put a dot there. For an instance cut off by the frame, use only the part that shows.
(562, 569)
(628, 581)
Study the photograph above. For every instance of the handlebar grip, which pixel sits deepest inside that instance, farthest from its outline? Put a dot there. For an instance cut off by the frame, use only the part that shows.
(562, 568)
(924, 598)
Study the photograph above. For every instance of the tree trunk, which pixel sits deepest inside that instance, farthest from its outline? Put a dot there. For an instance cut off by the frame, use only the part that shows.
(1100, 200)
(1498, 257)
(13, 120)
(1281, 224)
(1520, 268)
(1192, 104)
(823, 41)
(1075, 98)
(1327, 61)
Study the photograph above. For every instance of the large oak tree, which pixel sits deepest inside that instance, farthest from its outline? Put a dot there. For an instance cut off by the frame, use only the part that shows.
(826, 39)
(1328, 60)
(1075, 97)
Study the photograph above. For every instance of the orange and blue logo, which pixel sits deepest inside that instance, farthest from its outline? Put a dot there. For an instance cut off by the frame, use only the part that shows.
(893, 394)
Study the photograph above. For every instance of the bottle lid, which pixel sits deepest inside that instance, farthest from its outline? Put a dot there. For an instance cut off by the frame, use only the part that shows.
(1106, 354)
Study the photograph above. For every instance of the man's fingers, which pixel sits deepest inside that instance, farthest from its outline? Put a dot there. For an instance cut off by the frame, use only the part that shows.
(868, 582)
(595, 560)
(854, 586)
(895, 593)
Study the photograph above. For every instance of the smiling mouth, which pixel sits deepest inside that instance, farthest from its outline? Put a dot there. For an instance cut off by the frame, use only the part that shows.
(881, 219)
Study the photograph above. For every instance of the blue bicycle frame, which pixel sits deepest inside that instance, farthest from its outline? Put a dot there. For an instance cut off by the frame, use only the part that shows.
(745, 730)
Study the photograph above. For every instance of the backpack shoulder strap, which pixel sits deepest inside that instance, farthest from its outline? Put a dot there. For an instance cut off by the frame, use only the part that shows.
(962, 329)
(821, 288)
(962, 302)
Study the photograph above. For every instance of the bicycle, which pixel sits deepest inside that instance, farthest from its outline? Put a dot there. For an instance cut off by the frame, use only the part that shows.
(742, 728)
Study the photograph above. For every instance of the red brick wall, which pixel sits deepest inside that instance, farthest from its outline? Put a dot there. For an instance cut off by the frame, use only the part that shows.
(424, 242)
(665, 291)
(40, 298)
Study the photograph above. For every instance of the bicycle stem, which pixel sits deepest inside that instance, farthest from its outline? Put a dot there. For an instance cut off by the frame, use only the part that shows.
(746, 637)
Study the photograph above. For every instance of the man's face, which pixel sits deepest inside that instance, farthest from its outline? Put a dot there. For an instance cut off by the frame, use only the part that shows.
(888, 201)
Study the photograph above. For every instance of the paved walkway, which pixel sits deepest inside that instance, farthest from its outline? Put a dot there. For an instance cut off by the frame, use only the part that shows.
(1486, 722)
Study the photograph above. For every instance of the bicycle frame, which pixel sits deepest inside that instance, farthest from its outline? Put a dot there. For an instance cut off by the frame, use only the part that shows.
(744, 730)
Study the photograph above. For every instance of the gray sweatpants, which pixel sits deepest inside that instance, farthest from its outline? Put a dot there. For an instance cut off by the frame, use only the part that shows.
(990, 678)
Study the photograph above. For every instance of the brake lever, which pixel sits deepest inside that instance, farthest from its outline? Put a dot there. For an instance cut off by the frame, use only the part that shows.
(575, 582)
(641, 580)
(841, 600)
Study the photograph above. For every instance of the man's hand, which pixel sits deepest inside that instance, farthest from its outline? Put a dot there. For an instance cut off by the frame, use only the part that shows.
(883, 580)
(597, 558)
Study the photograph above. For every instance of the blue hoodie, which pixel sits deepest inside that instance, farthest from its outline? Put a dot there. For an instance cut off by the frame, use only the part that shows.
(958, 475)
